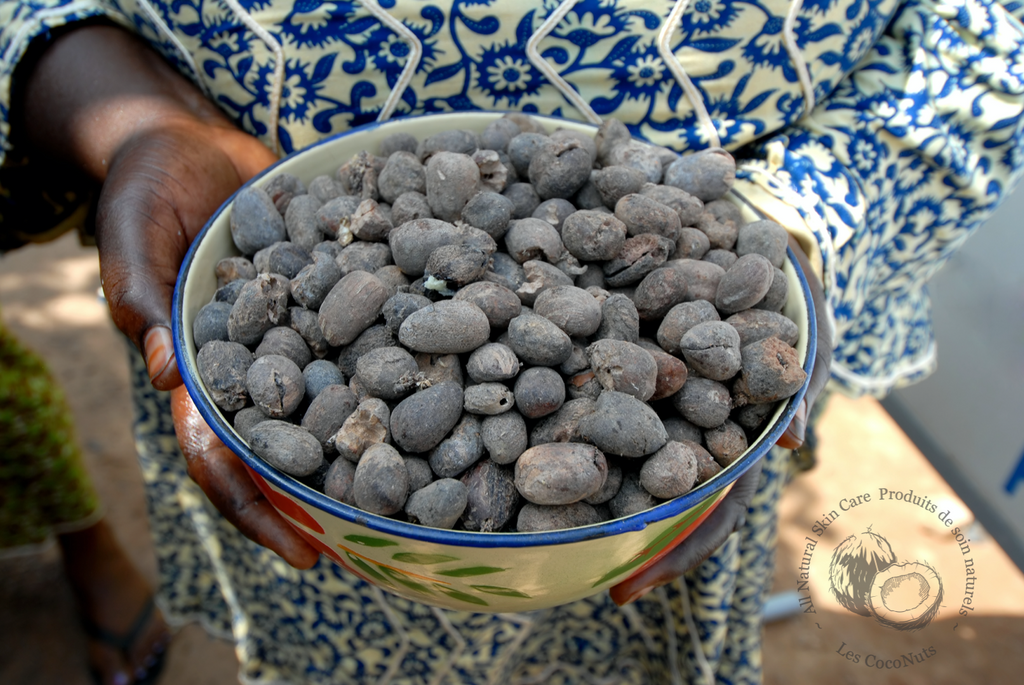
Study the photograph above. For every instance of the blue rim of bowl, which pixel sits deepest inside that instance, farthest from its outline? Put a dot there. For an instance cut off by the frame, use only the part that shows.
(413, 531)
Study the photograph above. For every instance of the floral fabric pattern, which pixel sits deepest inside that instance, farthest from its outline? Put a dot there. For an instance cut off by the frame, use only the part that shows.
(341, 61)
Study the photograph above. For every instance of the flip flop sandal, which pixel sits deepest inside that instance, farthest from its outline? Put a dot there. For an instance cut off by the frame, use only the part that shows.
(123, 643)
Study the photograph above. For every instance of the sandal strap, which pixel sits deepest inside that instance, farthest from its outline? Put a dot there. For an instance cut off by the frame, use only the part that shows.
(120, 641)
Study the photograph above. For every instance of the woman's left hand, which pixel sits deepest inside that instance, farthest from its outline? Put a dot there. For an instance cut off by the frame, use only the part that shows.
(731, 512)
(793, 438)
(728, 516)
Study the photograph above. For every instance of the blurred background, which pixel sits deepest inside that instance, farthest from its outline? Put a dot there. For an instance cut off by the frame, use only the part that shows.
(48, 296)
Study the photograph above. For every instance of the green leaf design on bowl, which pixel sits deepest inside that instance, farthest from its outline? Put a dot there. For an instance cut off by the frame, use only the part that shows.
(399, 577)
(619, 570)
(462, 596)
(368, 570)
(500, 591)
(470, 571)
(659, 543)
(367, 541)
(422, 559)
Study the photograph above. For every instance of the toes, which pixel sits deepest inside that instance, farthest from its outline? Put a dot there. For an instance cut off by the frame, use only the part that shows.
(108, 665)
(147, 650)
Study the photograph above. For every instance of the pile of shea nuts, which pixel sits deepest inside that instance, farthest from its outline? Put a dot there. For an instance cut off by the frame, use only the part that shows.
(518, 330)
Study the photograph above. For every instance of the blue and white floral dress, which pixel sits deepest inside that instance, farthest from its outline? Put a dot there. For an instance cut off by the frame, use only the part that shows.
(880, 133)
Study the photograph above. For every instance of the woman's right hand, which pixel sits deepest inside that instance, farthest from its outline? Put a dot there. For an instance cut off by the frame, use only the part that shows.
(100, 99)
(167, 159)
(161, 188)
(223, 477)
(158, 194)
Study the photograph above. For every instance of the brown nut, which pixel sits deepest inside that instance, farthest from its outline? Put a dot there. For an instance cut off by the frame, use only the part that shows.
(712, 349)
(539, 391)
(563, 425)
(758, 324)
(771, 372)
(560, 473)
(623, 425)
(353, 304)
(286, 447)
(703, 402)
(537, 518)
(489, 399)
(682, 318)
(726, 442)
(497, 302)
(593, 236)
(262, 304)
(744, 284)
(670, 472)
(492, 497)
(381, 481)
(573, 310)
(366, 426)
(672, 372)
(624, 367)
(458, 451)
(660, 290)
(422, 420)
(505, 436)
(643, 214)
(447, 327)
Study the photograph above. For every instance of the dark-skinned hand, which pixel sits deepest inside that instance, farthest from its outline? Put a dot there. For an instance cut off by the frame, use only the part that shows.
(167, 160)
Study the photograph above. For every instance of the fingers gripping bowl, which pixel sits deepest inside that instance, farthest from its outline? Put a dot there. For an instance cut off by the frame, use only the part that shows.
(460, 569)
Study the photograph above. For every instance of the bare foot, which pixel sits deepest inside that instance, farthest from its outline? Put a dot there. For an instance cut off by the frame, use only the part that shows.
(112, 596)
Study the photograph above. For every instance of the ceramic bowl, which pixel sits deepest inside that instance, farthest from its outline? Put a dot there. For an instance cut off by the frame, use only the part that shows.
(488, 572)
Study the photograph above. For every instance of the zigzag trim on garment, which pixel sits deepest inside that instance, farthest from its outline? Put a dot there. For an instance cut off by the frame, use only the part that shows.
(277, 84)
(410, 66)
(163, 28)
(533, 54)
(880, 385)
(676, 67)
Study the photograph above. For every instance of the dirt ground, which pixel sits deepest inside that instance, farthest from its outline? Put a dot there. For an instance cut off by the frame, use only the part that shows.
(48, 297)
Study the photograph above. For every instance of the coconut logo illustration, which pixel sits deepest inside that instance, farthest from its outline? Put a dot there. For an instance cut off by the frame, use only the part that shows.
(855, 563)
(866, 580)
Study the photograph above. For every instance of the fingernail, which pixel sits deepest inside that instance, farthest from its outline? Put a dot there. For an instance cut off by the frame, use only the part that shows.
(159, 350)
(800, 421)
(121, 678)
(637, 595)
(740, 522)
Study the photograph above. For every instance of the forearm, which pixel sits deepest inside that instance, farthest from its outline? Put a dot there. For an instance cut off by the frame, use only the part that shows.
(97, 87)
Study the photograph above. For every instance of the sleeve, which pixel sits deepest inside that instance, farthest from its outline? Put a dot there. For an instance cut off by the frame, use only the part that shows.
(21, 23)
(889, 175)
(38, 200)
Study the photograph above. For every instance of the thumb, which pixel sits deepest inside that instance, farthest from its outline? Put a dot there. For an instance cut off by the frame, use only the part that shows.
(159, 192)
(141, 244)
